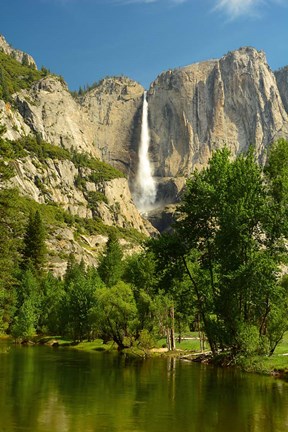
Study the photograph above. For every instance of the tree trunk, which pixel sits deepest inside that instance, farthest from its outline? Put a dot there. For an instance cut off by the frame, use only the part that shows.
(172, 332)
(201, 311)
(168, 339)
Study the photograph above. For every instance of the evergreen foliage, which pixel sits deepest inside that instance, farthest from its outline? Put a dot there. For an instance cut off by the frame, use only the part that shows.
(111, 266)
(34, 251)
(101, 171)
(23, 327)
(15, 76)
(78, 301)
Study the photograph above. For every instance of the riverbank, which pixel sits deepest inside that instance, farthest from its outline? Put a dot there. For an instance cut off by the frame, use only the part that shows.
(188, 345)
(187, 350)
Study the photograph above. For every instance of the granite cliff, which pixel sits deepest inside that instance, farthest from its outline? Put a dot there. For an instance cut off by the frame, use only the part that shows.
(235, 101)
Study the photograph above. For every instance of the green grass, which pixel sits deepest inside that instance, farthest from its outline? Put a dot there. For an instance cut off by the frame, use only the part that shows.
(282, 348)
(96, 345)
(266, 365)
(276, 364)
(190, 342)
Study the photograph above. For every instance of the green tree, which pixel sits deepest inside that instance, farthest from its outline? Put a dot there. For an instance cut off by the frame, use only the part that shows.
(115, 314)
(11, 231)
(25, 60)
(50, 318)
(140, 271)
(179, 303)
(77, 302)
(34, 251)
(23, 327)
(111, 267)
(276, 175)
(220, 242)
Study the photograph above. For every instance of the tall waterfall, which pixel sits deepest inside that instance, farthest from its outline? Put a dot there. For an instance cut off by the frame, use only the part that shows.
(145, 190)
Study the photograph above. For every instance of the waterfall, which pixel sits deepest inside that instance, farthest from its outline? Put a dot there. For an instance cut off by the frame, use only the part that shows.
(145, 188)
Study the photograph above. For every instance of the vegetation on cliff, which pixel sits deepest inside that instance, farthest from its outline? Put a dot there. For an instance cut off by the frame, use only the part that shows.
(15, 76)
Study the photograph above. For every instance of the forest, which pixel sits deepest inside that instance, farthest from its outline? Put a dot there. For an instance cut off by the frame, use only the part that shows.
(221, 269)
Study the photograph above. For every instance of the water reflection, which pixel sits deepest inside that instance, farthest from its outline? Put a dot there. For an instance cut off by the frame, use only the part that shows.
(44, 390)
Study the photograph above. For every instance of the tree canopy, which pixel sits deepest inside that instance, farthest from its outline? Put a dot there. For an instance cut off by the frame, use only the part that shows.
(225, 242)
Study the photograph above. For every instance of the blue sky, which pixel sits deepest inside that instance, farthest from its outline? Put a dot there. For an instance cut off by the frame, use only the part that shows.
(85, 40)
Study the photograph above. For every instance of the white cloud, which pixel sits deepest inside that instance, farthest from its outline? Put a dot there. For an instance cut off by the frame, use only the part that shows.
(237, 8)
(126, 2)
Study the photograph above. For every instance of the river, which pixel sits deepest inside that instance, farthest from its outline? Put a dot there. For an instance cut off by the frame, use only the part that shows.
(57, 390)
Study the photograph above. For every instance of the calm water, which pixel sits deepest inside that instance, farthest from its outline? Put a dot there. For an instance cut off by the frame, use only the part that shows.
(51, 390)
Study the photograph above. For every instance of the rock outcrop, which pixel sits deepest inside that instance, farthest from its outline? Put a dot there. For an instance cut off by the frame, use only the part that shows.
(53, 182)
(18, 55)
(102, 122)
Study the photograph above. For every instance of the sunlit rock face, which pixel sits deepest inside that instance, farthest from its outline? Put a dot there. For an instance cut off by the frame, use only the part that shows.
(233, 102)
(282, 82)
(113, 109)
(236, 101)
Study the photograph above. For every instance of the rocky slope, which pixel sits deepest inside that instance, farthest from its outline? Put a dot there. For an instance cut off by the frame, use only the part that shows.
(235, 101)
(85, 207)
(49, 110)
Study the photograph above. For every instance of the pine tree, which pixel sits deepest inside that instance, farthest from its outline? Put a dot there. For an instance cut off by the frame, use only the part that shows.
(11, 226)
(34, 251)
(111, 266)
(25, 60)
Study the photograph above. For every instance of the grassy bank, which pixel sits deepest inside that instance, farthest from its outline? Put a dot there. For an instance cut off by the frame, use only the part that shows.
(277, 364)
(188, 348)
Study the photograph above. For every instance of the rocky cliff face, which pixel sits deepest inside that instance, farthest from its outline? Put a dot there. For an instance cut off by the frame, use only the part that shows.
(114, 112)
(98, 123)
(104, 122)
(49, 110)
(282, 82)
(234, 101)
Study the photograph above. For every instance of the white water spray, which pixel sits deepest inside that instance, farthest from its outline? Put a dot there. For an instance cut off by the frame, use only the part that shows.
(145, 193)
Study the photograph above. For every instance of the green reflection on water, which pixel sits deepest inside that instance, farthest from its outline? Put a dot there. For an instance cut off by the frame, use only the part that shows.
(46, 390)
